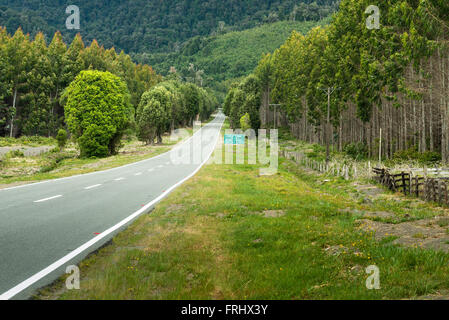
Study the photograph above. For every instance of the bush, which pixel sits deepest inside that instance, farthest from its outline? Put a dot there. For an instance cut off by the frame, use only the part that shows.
(54, 160)
(61, 137)
(15, 154)
(412, 154)
(98, 111)
(357, 151)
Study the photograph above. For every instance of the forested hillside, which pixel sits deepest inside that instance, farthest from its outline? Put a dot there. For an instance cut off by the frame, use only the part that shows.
(389, 84)
(219, 59)
(139, 26)
(34, 75)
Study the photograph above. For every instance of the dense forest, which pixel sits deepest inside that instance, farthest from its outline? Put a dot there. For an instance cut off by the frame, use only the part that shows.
(388, 85)
(140, 26)
(34, 77)
(220, 59)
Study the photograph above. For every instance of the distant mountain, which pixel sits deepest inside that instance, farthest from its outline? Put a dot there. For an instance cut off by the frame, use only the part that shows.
(139, 26)
(226, 57)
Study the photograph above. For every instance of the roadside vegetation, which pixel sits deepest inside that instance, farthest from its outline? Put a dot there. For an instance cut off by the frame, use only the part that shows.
(359, 89)
(15, 168)
(294, 235)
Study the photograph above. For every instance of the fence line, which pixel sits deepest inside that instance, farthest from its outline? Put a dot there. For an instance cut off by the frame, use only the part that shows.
(346, 170)
(425, 188)
(434, 189)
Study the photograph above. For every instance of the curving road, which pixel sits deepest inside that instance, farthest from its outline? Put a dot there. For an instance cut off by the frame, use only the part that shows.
(48, 226)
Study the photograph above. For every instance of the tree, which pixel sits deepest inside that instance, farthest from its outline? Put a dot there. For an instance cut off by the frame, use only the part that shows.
(56, 54)
(153, 114)
(98, 110)
(5, 84)
(17, 51)
(251, 86)
(192, 100)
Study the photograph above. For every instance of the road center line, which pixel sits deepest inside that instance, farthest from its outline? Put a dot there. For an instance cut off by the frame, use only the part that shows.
(47, 199)
(138, 174)
(119, 179)
(150, 170)
(91, 187)
(75, 253)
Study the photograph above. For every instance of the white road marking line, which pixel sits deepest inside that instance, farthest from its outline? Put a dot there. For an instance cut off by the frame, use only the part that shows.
(167, 163)
(138, 174)
(119, 179)
(177, 146)
(47, 199)
(151, 170)
(160, 166)
(45, 272)
(91, 187)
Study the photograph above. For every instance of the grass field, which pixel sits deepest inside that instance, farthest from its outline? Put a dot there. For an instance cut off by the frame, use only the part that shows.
(229, 233)
(17, 169)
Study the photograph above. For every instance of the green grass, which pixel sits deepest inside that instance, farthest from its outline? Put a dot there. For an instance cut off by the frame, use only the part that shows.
(54, 164)
(210, 239)
(34, 141)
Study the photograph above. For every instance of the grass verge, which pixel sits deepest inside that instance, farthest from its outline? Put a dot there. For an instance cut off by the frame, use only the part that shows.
(229, 233)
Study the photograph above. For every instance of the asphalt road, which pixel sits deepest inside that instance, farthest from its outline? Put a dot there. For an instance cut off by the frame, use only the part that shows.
(48, 226)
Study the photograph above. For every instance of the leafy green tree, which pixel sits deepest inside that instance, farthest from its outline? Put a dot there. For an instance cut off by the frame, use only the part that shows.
(36, 118)
(237, 102)
(251, 86)
(153, 114)
(17, 51)
(5, 85)
(192, 100)
(56, 54)
(97, 111)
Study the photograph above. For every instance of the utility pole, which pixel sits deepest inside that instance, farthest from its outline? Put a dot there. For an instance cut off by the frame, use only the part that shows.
(329, 91)
(380, 147)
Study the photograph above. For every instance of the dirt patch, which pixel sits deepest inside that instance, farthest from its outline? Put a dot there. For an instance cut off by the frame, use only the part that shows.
(273, 213)
(220, 215)
(369, 191)
(425, 233)
(174, 208)
(335, 250)
(444, 295)
(369, 214)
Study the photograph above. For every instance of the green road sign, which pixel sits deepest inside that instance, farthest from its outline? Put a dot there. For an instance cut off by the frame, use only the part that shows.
(234, 139)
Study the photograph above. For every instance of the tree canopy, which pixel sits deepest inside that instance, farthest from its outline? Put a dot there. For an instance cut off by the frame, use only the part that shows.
(98, 111)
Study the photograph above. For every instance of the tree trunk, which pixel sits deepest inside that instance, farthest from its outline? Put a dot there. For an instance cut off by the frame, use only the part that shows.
(14, 112)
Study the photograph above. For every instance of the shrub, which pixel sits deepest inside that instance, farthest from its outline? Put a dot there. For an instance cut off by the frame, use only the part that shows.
(54, 160)
(98, 110)
(15, 154)
(61, 137)
(357, 150)
(412, 154)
